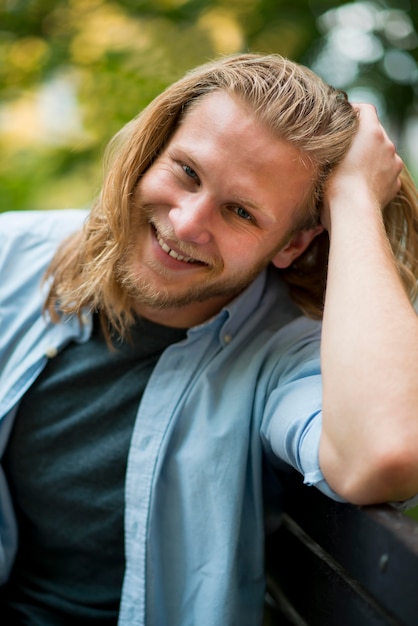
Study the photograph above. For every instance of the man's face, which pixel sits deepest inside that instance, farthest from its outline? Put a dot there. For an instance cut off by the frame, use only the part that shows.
(211, 212)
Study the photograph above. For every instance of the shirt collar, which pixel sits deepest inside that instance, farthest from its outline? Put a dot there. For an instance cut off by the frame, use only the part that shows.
(230, 319)
(227, 322)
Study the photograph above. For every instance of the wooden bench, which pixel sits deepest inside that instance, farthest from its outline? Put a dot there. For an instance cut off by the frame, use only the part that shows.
(332, 564)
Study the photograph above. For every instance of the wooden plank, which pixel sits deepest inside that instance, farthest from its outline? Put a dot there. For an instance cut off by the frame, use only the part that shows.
(342, 564)
(315, 591)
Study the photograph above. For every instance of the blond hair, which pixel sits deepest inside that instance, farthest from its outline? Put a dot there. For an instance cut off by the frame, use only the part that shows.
(290, 100)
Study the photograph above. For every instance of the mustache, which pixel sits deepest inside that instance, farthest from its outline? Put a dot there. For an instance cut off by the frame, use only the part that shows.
(166, 232)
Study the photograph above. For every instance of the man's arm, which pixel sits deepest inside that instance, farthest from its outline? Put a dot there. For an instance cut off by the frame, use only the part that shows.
(369, 443)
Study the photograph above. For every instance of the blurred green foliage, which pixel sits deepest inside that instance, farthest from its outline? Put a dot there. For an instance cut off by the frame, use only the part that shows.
(413, 513)
(73, 72)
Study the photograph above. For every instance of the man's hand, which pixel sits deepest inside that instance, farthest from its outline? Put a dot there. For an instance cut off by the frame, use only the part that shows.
(371, 166)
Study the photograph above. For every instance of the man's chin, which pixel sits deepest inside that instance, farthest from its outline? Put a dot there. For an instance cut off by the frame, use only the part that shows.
(143, 295)
(154, 288)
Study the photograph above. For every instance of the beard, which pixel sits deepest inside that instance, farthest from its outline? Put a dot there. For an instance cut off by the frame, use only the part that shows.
(151, 285)
(142, 289)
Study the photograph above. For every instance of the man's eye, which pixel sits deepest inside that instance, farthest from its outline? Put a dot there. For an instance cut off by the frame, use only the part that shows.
(243, 214)
(190, 172)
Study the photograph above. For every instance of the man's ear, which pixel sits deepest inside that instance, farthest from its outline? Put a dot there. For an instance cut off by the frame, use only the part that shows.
(294, 248)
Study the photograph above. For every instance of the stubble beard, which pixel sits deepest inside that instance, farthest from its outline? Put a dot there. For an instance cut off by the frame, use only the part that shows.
(137, 282)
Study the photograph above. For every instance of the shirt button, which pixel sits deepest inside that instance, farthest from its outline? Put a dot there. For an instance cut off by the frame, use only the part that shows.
(51, 352)
(144, 443)
(227, 338)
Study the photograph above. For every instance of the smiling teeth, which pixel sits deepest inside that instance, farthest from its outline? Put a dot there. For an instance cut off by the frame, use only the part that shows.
(173, 254)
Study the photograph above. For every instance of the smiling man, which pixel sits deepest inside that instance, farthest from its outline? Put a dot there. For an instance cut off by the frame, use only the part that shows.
(162, 353)
(214, 209)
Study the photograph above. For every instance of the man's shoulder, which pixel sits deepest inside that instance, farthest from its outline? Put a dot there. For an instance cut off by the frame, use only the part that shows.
(42, 224)
(28, 241)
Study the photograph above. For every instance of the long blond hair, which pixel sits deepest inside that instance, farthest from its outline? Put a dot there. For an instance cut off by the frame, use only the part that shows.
(290, 100)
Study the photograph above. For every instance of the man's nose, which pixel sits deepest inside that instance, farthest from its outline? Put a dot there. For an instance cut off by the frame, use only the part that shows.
(193, 218)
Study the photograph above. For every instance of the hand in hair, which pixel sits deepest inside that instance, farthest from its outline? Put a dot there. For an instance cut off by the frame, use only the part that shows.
(371, 165)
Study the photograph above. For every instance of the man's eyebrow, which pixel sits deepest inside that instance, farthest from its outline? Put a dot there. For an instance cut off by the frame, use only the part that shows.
(247, 202)
(178, 153)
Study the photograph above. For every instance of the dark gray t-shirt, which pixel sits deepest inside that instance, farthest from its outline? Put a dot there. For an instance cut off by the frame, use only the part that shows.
(66, 463)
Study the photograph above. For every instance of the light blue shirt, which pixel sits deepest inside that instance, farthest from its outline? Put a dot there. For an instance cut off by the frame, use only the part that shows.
(242, 385)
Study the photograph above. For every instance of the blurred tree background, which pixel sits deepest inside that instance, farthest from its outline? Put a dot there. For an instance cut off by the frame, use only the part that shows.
(73, 72)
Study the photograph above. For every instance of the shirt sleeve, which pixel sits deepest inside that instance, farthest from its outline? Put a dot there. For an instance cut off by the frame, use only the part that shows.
(292, 416)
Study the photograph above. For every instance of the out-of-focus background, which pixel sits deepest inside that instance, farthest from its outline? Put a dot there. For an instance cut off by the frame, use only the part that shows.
(73, 72)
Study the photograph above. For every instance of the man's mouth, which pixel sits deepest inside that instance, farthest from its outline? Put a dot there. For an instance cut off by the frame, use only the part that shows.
(175, 255)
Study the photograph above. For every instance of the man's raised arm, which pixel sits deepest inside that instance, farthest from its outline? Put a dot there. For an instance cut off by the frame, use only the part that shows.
(369, 445)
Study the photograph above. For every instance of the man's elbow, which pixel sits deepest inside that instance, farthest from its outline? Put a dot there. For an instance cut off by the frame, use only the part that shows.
(384, 473)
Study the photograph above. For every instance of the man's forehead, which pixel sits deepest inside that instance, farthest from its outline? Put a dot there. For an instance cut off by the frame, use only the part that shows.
(215, 104)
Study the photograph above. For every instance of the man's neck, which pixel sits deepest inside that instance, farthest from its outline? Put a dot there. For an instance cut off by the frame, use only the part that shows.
(185, 316)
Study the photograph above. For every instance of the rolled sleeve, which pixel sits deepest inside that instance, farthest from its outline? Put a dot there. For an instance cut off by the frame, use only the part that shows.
(292, 420)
